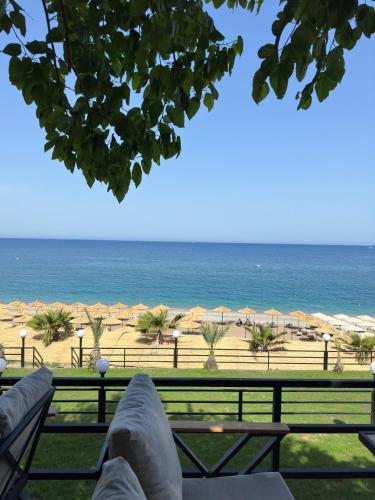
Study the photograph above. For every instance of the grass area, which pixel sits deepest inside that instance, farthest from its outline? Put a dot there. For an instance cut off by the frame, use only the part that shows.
(314, 450)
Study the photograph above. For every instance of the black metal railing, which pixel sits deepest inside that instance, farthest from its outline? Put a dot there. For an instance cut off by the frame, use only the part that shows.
(307, 406)
(127, 357)
(23, 356)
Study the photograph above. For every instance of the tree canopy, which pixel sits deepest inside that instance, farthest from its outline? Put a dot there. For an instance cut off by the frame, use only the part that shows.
(113, 80)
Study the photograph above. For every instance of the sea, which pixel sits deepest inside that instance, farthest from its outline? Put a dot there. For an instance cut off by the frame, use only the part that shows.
(330, 279)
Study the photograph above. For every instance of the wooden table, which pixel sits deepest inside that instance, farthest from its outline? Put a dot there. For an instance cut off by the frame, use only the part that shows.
(275, 431)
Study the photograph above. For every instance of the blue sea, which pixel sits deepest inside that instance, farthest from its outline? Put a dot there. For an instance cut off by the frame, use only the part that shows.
(332, 279)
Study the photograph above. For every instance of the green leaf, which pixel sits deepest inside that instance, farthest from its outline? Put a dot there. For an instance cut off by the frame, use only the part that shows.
(279, 81)
(209, 101)
(137, 174)
(344, 36)
(268, 50)
(12, 49)
(18, 21)
(36, 47)
(260, 87)
(193, 107)
(55, 35)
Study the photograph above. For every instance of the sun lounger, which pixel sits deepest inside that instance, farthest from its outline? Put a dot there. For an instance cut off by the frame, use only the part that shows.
(142, 448)
(23, 409)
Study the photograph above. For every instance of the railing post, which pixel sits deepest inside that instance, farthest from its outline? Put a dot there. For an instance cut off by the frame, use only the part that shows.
(373, 402)
(175, 354)
(325, 357)
(101, 402)
(80, 352)
(240, 406)
(124, 359)
(268, 360)
(276, 417)
(23, 352)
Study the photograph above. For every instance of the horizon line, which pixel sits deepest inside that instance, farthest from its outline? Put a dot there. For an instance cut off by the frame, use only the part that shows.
(182, 241)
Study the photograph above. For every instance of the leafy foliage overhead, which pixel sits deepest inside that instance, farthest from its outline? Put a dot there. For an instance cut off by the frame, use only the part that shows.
(112, 80)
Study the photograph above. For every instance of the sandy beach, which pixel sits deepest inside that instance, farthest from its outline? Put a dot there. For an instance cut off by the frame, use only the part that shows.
(122, 340)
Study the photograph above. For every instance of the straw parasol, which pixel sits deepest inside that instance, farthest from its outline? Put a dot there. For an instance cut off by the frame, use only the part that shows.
(37, 305)
(119, 305)
(197, 310)
(57, 305)
(16, 304)
(138, 308)
(81, 320)
(132, 322)
(188, 324)
(111, 321)
(158, 309)
(222, 310)
(247, 311)
(24, 319)
(272, 313)
(6, 317)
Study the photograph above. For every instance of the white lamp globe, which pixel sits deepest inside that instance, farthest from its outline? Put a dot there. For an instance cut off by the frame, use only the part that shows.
(23, 333)
(3, 365)
(176, 334)
(326, 337)
(372, 367)
(80, 333)
(102, 365)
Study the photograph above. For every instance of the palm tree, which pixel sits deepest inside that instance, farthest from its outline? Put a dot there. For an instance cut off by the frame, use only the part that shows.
(361, 345)
(97, 329)
(338, 368)
(212, 334)
(54, 324)
(263, 338)
(159, 324)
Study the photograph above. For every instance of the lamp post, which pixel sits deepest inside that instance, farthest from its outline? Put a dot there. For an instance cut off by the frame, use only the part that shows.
(23, 334)
(101, 366)
(3, 365)
(372, 369)
(326, 338)
(176, 334)
(80, 334)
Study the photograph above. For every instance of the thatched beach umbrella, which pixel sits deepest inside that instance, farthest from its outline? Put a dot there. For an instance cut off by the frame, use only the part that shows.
(119, 305)
(197, 310)
(37, 306)
(5, 317)
(158, 309)
(111, 321)
(132, 322)
(22, 320)
(16, 304)
(222, 310)
(272, 313)
(247, 310)
(139, 308)
(80, 321)
(188, 324)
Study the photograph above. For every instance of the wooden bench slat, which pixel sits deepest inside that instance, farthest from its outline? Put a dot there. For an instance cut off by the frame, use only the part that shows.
(264, 428)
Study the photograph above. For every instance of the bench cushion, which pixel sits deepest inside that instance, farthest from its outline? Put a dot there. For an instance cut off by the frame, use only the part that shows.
(262, 486)
(19, 399)
(118, 482)
(141, 434)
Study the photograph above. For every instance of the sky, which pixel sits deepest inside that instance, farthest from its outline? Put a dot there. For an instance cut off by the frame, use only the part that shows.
(247, 173)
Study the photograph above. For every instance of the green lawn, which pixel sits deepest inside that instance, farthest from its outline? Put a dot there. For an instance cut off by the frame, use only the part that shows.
(314, 450)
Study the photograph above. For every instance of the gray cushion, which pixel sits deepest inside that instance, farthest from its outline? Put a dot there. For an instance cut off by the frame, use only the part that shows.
(141, 434)
(118, 482)
(262, 486)
(19, 399)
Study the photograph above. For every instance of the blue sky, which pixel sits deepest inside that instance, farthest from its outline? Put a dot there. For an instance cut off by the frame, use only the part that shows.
(247, 173)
